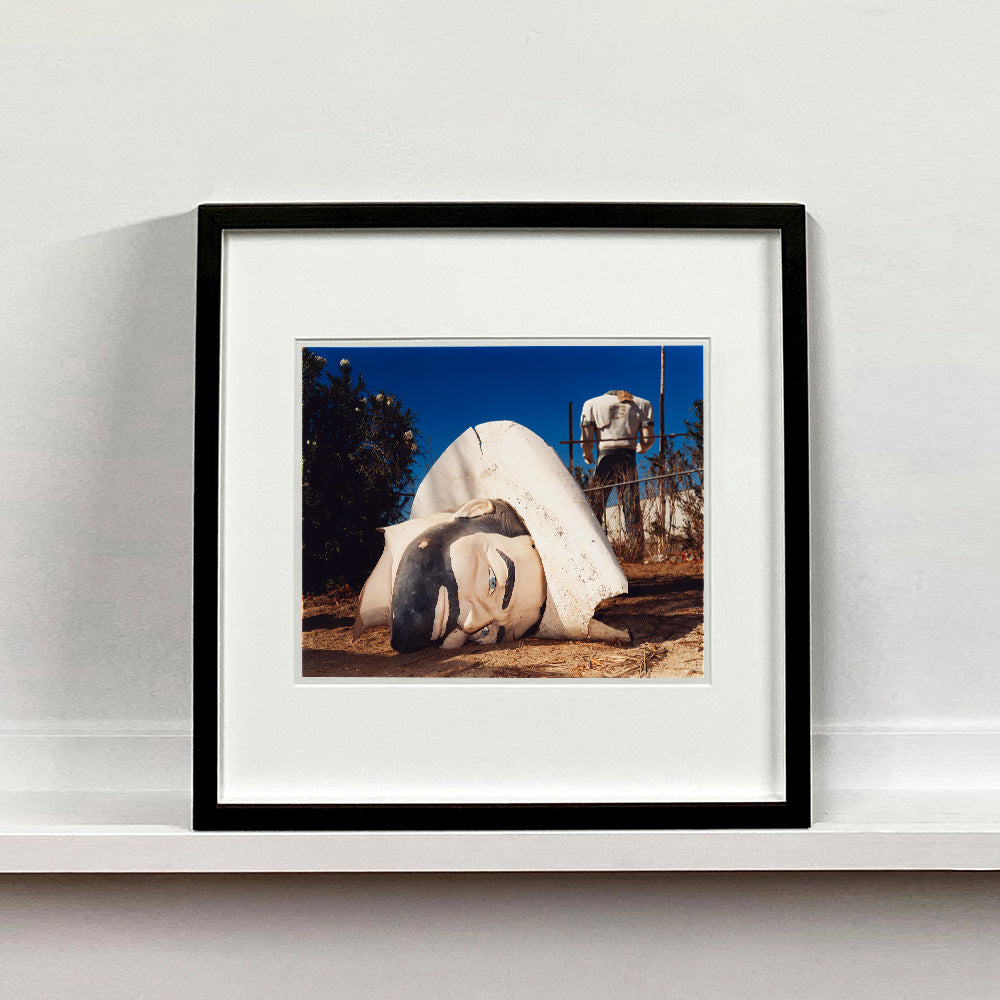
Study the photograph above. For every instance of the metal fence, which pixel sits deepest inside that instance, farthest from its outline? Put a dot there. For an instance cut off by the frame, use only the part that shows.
(653, 518)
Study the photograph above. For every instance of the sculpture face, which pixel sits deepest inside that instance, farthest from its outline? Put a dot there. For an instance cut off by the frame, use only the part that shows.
(500, 585)
(449, 578)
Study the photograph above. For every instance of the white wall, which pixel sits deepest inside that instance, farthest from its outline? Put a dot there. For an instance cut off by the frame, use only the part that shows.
(559, 937)
(880, 115)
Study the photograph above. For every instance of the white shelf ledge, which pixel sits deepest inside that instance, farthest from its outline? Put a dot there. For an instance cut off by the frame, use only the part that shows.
(159, 849)
(911, 814)
(886, 834)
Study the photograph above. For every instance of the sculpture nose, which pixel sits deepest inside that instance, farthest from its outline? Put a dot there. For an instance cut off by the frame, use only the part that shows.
(480, 614)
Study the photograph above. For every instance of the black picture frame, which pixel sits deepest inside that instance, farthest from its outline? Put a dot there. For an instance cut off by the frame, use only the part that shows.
(789, 221)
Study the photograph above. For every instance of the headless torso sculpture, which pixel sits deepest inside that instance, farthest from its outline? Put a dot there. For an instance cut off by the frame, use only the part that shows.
(621, 425)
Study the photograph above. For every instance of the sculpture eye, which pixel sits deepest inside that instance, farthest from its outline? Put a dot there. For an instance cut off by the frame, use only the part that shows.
(484, 636)
(493, 580)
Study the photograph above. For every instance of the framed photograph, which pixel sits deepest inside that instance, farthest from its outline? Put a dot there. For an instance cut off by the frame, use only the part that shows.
(501, 517)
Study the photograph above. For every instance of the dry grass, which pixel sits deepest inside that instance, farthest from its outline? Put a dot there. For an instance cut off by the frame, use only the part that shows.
(663, 612)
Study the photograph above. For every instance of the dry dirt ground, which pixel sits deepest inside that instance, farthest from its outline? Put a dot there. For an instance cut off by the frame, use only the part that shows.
(663, 611)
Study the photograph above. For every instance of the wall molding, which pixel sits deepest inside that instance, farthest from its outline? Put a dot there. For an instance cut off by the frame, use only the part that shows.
(140, 756)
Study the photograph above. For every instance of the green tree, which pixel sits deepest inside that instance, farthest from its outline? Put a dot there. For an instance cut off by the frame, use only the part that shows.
(358, 452)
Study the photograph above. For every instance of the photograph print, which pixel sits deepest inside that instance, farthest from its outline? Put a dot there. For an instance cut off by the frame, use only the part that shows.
(491, 511)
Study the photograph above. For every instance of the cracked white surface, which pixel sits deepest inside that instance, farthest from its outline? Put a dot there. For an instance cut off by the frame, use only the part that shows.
(503, 460)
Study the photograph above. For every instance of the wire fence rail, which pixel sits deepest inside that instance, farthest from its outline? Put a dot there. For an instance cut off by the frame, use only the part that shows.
(650, 519)
(657, 518)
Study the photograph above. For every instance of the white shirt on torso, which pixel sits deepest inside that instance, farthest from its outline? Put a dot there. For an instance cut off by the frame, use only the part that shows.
(616, 422)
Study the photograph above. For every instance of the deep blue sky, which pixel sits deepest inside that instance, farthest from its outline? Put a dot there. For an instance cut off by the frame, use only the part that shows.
(452, 388)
